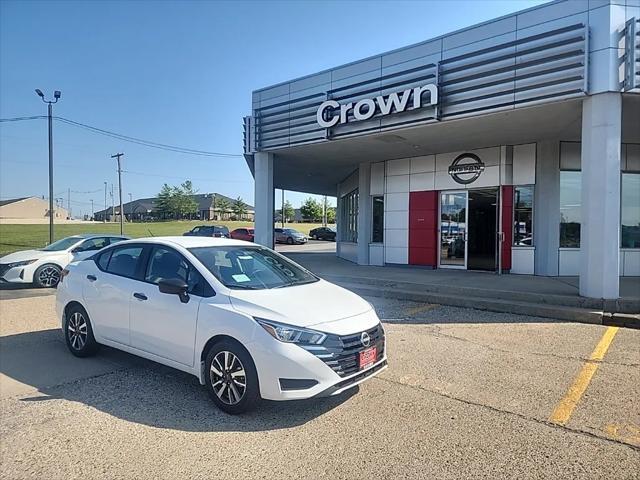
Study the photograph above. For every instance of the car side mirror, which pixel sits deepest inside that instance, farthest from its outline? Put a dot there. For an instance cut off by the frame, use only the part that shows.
(174, 286)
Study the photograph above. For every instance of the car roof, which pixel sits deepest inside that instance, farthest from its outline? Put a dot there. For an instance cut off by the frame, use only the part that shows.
(85, 236)
(189, 242)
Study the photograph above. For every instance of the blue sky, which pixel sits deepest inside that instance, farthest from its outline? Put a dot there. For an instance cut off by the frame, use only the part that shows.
(179, 73)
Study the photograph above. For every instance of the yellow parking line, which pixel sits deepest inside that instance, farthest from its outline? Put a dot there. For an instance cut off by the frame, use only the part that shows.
(565, 408)
(420, 309)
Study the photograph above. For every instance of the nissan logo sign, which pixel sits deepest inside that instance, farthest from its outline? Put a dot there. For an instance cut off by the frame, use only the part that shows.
(365, 339)
(466, 168)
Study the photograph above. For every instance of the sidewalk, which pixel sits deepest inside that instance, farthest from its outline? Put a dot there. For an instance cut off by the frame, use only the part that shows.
(552, 297)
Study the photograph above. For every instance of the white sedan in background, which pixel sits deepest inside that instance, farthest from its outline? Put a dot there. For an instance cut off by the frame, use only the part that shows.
(43, 267)
(245, 320)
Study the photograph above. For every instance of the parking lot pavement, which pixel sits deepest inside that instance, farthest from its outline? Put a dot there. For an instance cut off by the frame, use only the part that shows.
(468, 394)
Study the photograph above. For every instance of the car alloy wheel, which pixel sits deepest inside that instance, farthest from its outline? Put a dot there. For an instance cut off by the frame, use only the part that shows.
(49, 276)
(228, 378)
(77, 331)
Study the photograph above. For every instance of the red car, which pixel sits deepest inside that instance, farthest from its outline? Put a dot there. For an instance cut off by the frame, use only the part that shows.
(243, 234)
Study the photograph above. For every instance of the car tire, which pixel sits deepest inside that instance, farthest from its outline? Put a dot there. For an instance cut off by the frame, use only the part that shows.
(47, 275)
(78, 333)
(289, 241)
(224, 362)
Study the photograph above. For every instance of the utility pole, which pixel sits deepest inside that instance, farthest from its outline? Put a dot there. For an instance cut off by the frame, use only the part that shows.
(69, 201)
(282, 211)
(117, 156)
(130, 197)
(113, 212)
(56, 96)
(324, 211)
(104, 217)
(92, 209)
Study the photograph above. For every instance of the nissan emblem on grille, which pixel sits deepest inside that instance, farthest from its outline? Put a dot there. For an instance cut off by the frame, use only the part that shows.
(365, 339)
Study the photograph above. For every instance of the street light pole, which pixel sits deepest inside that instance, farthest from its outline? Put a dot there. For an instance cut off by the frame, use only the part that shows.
(117, 156)
(56, 96)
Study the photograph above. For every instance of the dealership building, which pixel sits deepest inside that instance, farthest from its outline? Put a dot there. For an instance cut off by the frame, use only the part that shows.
(510, 146)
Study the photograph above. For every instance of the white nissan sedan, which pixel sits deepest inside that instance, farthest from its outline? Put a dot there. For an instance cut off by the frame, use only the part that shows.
(248, 322)
(42, 267)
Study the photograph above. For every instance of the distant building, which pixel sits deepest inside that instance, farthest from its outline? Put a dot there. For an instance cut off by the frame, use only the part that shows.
(29, 208)
(145, 209)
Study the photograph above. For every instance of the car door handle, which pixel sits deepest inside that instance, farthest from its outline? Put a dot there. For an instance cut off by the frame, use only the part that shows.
(91, 278)
(140, 296)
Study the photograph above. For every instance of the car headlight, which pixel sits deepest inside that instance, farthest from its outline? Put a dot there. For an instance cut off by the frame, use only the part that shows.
(20, 264)
(288, 334)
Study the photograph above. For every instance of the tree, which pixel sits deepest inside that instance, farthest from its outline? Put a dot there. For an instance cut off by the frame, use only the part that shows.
(185, 203)
(289, 211)
(163, 201)
(239, 208)
(311, 210)
(176, 201)
(223, 206)
(331, 215)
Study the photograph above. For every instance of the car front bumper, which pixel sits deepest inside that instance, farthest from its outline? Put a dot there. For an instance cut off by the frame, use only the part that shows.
(16, 274)
(280, 365)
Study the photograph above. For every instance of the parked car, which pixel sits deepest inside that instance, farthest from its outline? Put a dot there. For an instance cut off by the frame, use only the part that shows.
(246, 234)
(217, 231)
(323, 233)
(43, 267)
(225, 311)
(289, 235)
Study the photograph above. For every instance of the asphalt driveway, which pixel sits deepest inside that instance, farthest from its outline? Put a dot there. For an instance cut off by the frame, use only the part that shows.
(468, 394)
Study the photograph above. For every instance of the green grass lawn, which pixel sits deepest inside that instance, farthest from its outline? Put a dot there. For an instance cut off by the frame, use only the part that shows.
(23, 237)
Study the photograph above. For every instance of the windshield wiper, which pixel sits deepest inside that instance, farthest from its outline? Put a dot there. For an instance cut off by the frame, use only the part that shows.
(244, 287)
(298, 282)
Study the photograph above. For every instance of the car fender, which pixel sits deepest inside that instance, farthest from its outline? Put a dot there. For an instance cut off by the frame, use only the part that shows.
(217, 320)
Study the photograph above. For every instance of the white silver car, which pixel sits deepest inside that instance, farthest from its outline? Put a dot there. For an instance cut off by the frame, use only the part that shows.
(245, 320)
(42, 267)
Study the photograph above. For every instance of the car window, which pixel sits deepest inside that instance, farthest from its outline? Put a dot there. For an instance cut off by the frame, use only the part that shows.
(124, 261)
(195, 229)
(207, 230)
(103, 259)
(62, 244)
(93, 244)
(165, 264)
(113, 240)
(253, 268)
(278, 230)
(220, 229)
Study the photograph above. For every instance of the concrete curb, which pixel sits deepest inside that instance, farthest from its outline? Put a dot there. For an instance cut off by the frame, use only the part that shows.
(558, 312)
(623, 306)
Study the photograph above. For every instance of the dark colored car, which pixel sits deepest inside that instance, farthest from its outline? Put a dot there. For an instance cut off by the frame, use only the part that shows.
(218, 231)
(246, 234)
(323, 233)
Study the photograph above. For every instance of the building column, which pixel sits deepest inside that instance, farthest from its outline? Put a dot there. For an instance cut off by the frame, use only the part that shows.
(263, 175)
(546, 208)
(364, 213)
(600, 212)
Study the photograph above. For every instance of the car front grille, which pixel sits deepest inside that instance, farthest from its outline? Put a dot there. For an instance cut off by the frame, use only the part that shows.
(341, 352)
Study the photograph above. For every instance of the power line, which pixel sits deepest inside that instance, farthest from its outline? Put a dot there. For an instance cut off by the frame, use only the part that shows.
(146, 174)
(127, 138)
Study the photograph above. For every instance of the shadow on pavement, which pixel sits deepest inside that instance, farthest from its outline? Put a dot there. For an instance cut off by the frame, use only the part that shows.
(137, 390)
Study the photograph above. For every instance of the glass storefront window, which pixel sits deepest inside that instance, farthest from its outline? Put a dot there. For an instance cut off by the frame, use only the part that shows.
(630, 210)
(349, 217)
(377, 228)
(570, 201)
(523, 216)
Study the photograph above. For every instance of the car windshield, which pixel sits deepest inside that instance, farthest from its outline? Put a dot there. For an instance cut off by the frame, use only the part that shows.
(62, 244)
(220, 229)
(291, 230)
(251, 268)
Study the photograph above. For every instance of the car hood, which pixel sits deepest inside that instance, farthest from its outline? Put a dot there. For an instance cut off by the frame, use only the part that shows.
(26, 255)
(318, 304)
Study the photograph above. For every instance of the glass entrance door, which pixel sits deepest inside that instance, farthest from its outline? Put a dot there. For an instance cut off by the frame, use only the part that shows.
(453, 229)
